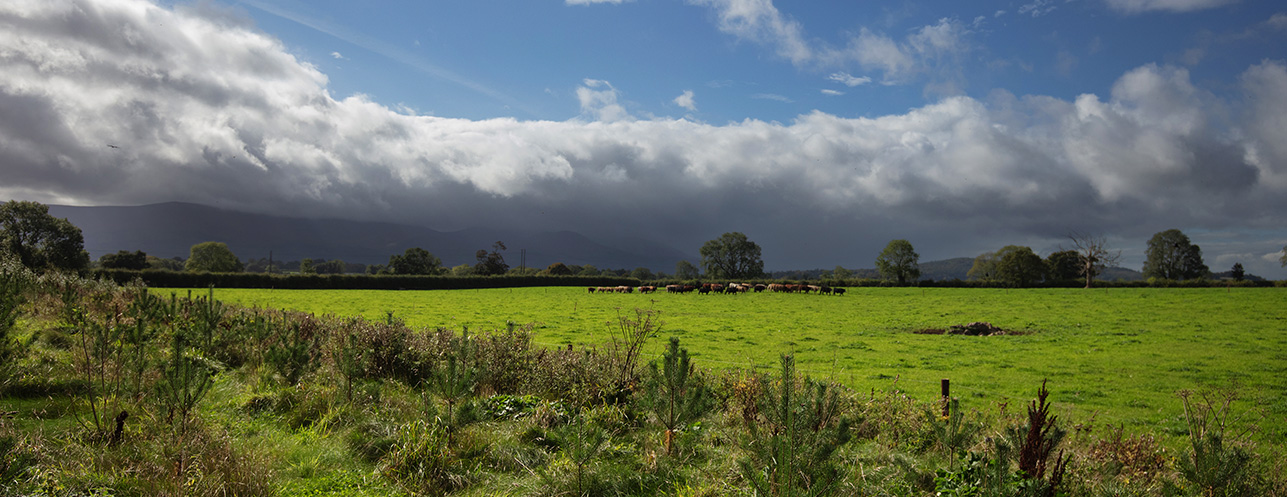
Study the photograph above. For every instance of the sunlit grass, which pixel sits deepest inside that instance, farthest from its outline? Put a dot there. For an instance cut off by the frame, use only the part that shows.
(1119, 355)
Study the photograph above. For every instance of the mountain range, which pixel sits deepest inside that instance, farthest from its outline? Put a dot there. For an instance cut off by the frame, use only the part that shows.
(170, 229)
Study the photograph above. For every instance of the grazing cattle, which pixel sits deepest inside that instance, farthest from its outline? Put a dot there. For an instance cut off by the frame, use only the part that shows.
(825, 289)
(647, 289)
(705, 289)
(674, 288)
(777, 287)
(838, 291)
(591, 289)
(717, 288)
(759, 287)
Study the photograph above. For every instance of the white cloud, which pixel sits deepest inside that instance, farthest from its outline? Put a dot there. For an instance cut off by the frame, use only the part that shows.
(686, 101)
(211, 113)
(1138, 6)
(924, 50)
(599, 100)
(832, 93)
(337, 55)
(761, 22)
(1278, 21)
(849, 80)
(1038, 8)
(772, 96)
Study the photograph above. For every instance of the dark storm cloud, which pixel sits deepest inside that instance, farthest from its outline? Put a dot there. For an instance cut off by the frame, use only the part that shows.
(204, 108)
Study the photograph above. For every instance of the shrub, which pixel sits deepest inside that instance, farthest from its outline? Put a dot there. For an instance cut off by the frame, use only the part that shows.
(505, 359)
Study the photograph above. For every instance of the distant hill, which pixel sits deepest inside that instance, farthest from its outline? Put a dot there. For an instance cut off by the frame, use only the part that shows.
(956, 268)
(170, 230)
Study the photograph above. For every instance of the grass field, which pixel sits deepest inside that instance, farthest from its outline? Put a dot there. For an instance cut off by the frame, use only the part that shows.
(1119, 355)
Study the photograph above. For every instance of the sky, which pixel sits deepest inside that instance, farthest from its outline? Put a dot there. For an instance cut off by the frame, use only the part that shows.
(820, 129)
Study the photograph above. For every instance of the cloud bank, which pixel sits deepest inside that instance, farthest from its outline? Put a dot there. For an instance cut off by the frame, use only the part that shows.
(207, 109)
(1138, 6)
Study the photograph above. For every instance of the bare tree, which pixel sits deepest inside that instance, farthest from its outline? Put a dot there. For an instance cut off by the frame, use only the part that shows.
(1093, 255)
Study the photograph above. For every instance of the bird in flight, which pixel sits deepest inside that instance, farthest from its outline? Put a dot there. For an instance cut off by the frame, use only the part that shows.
(112, 146)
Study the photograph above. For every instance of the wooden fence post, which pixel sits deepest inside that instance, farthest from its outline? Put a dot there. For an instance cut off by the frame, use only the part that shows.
(946, 387)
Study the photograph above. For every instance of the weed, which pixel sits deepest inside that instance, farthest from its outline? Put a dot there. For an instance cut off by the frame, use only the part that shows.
(627, 342)
(422, 460)
(14, 280)
(1040, 438)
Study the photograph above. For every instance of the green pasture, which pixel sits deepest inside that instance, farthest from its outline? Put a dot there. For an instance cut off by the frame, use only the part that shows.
(1115, 356)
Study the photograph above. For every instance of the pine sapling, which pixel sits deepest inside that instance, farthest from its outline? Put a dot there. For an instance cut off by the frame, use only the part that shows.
(185, 380)
(455, 378)
(791, 449)
(293, 356)
(674, 393)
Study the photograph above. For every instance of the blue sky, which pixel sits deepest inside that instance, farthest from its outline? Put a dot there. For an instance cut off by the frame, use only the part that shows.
(525, 59)
(822, 130)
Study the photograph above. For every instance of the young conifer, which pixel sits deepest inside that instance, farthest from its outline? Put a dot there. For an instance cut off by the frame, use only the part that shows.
(454, 380)
(791, 448)
(674, 393)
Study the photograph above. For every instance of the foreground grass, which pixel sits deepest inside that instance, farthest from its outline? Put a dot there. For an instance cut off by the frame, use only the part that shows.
(304, 405)
(1116, 356)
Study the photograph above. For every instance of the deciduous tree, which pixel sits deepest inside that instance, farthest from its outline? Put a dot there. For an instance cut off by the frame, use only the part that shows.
(1172, 256)
(643, 274)
(333, 266)
(415, 260)
(732, 256)
(171, 264)
(214, 257)
(899, 262)
(1063, 266)
(1093, 255)
(558, 269)
(136, 260)
(490, 263)
(984, 268)
(685, 270)
(40, 240)
(1019, 266)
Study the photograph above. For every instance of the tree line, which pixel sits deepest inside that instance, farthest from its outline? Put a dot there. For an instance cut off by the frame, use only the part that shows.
(39, 240)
